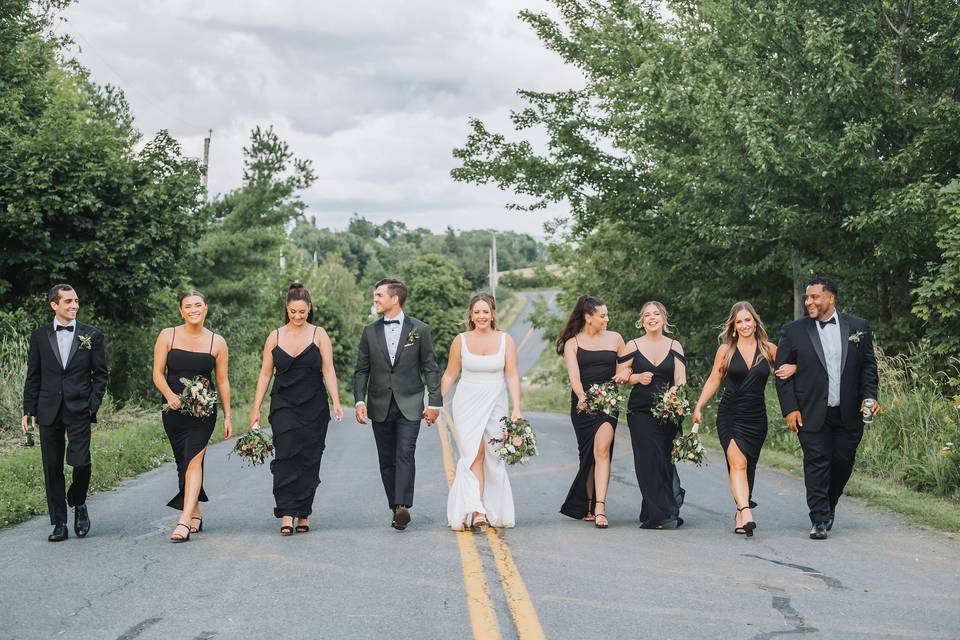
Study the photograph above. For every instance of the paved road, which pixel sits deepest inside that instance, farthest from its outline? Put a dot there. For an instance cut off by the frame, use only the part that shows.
(354, 577)
(529, 340)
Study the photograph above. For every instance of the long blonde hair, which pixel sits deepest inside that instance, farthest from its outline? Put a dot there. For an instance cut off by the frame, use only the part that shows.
(729, 336)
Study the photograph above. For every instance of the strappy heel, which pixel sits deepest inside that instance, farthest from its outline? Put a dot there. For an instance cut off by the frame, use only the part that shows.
(181, 539)
(287, 529)
(597, 516)
(199, 526)
(301, 528)
(747, 527)
(591, 507)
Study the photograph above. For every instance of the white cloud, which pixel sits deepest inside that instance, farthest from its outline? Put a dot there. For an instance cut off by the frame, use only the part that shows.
(376, 93)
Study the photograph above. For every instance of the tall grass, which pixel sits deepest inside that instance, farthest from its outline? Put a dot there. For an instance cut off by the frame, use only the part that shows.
(13, 372)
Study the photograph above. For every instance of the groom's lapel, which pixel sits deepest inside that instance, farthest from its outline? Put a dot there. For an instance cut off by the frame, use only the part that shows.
(404, 334)
(381, 339)
(844, 339)
(74, 345)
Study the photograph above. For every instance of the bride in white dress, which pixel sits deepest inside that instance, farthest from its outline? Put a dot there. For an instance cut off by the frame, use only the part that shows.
(485, 360)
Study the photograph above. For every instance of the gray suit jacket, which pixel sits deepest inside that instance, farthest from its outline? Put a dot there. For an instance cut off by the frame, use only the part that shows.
(377, 379)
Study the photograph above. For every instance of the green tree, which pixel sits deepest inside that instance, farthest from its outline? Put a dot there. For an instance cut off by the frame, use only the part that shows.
(80, 200)
(438, 295)
(724, 150)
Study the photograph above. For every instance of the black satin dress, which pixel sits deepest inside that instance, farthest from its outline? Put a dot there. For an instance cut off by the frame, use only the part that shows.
(299, 416)
(742, 414)
(652, 442)
(188, 435)
(596, 367)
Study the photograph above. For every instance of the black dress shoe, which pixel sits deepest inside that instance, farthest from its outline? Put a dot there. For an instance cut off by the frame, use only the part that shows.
(819, 531)
(60, 532)
(401, 518)
(81, 521)
(830, 521)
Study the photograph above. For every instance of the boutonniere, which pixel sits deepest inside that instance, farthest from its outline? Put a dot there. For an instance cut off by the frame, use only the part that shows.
(855, 337)
(413, 337)
(86, 342)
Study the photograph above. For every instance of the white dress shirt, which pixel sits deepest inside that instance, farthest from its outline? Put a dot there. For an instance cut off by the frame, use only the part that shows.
(392, 333)
(833, 356)
(64, 339)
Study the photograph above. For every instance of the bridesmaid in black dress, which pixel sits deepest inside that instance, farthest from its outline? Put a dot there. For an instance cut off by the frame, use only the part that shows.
(188, 351)
(300, 357)
(653, 363)
(590, 353)
(743, 362)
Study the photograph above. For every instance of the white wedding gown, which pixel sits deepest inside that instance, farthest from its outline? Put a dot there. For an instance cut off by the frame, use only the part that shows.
(478, 404)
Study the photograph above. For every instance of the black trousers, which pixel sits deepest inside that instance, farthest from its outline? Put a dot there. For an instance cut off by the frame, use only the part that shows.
(828, 457)
(397, 447)
(71, 437)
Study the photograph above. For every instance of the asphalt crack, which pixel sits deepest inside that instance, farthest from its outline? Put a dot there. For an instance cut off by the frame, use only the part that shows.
(832, 583)
(780, 601)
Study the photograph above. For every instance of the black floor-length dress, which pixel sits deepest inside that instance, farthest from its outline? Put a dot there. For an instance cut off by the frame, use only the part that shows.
(188, 435)
(742, 413)
(299, 416)
(596, 367)
(652, 443)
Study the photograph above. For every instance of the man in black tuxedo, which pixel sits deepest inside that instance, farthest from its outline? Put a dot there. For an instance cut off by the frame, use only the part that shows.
(823, 401)
(66, 380)
(394, 363)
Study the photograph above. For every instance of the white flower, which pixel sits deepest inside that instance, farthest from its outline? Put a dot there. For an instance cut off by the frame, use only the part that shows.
(503, 451)
(511, 448)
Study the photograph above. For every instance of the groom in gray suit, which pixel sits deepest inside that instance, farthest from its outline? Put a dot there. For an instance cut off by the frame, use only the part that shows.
(388, 387)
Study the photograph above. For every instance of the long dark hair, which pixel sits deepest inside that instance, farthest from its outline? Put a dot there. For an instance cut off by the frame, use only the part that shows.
(586, 304)
(298, 292)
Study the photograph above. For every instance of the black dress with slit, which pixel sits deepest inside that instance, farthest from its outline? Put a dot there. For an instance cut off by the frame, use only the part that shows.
(742, 413)
(188, 435)
(652, 443)
(596, 367)
(299, 416)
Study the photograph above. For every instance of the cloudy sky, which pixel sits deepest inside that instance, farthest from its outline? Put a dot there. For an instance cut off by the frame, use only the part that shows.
(376, 93)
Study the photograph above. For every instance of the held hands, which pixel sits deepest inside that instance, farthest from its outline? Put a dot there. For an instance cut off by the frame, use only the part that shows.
(337, 411)
(23, 423)
(430, 415)
(645, 378)
(360, 413)
(785, 371)
(622, 377)
(794, 421)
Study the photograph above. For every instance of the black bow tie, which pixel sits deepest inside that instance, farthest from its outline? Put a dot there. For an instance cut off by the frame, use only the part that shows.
(391, 322)
(824, 323)
(69, 327)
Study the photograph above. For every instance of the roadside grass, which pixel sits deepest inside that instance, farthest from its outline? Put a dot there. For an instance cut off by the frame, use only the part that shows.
(510, 309)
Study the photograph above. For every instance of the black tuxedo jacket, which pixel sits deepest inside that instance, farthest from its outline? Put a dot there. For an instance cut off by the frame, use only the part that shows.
(806, 391)
(77, 388)
(377, 379)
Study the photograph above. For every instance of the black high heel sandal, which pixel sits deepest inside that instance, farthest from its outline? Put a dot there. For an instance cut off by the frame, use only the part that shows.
(747, 527)
(184, 539)
(301, 528)
(199, 526)
(591, 507)
(597, 516)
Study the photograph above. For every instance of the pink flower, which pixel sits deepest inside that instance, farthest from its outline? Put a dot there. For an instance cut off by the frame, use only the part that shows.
(517, 441)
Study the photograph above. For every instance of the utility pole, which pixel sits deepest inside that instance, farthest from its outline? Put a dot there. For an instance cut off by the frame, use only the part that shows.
(493, 264)
(206, 160)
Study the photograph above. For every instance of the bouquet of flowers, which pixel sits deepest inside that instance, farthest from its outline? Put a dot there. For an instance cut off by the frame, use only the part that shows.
(672, 405)
(688, 448)
(197, 399)
(604, 398)
(517, 443)
(255, 446)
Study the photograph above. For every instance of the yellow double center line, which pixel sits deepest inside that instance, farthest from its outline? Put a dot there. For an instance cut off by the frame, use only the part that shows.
(483, 617)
